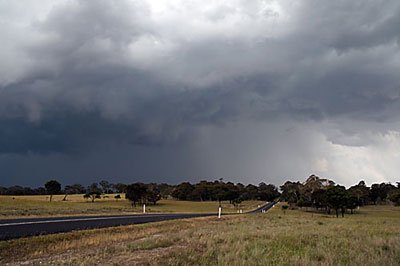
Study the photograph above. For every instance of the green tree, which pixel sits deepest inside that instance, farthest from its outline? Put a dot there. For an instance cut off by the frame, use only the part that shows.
(93, 192)
(361, 191)
(135, 193)
(319, 199)
(395, 198)
(106, 187)
(68, 190)
(183, 191)
(267, 192)
(236, 202)
(352, 202)
(291, 192)
(337, 198)
(153, 193)
(92, 195)
(119, 188)
(165, 190)
(52, 187)
(379, 192)
(313, 183)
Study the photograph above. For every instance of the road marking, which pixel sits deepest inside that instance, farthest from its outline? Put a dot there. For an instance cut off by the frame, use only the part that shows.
(112, 217)
(81, 219)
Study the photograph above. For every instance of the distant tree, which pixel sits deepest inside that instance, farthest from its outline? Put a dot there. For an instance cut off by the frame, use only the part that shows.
(318, 198)
(304, 203)
(291, 192)
(395, 198)
(52, 187)
(93, 187)
(236, 202)
(119, 188)
(92, 195)
(232, 192)
(232, 195)
(106, 187)
(337, 198)
(3, 191)
(202, 191)
(93, 192)
(117, 197)
(75, 189)
(284, 208)
(374, 193)
(352, 202)
(165, 190)
(312, 184)
(152, 193)
(136, 193)
(267, 192)
(16, 190)
(379, 192)
(183, 191)
(68, 190)
(250, 192)
(361, 191)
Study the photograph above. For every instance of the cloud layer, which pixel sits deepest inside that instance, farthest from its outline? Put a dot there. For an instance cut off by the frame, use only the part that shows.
(231, 89)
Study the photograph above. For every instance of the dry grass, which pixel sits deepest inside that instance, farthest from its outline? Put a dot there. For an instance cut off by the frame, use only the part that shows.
(39, 206)
(370, 237)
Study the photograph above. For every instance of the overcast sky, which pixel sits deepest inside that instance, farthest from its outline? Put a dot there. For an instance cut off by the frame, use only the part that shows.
(186, 90)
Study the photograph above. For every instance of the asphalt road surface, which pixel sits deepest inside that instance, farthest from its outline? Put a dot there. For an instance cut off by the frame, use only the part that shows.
(17, 228)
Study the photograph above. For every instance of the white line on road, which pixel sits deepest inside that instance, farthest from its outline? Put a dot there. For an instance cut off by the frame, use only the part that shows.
(80, 219)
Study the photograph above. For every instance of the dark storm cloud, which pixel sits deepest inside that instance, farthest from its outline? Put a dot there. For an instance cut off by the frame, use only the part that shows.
(87, 74)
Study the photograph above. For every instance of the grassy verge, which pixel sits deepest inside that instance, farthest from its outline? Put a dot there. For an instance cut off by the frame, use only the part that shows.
(39, 206)
(370, 237)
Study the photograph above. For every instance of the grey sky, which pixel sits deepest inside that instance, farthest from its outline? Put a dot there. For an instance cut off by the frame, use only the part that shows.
(169, 91)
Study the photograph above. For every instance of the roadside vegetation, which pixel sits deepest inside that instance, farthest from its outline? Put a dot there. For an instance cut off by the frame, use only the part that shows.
(39, 206)
(320, 193)
(104, 197)
(323, 195)
(369, 237)
(140, 193)
(315, 194)
(302, 231)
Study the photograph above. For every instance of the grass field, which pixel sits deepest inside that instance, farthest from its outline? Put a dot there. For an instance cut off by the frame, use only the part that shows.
(370, 237)
(39, 206)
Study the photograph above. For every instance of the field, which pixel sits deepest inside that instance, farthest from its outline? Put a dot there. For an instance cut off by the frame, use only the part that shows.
(39, 206)
(369, 237)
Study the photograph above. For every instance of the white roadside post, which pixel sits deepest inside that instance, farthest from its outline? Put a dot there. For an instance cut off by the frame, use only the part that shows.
(144, 208)
(219, 212)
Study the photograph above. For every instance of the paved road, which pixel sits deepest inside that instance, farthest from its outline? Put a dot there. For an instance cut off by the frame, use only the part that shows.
(16, 228)
(264, 208)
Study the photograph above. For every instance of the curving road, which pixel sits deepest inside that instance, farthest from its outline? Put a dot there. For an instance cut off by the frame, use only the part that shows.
(17, 228)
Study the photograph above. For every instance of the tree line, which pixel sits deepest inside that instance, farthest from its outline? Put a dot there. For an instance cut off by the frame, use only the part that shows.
(140, 193)
(324, 195)
(319, 193)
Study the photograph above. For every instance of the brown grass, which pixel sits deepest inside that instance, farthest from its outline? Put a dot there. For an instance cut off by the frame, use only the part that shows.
(39, 206)
(370, 237)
